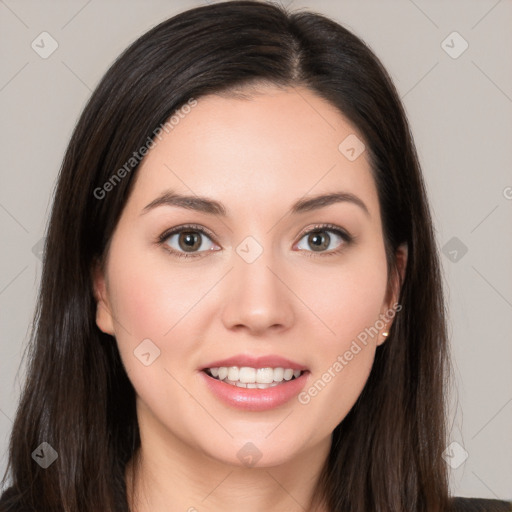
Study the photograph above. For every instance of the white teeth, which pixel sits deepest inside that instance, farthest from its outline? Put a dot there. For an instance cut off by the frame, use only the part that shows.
(253, 378)
(233, 373)
(288, 374)
(278, 374)
(247, 375)
(265, 375)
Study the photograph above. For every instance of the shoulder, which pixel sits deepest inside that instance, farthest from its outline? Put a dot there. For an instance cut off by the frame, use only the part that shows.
(479, 505)
(9, 501)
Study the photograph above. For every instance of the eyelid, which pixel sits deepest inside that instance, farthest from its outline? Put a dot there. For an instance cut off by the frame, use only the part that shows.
(326, 227)
(183, 227)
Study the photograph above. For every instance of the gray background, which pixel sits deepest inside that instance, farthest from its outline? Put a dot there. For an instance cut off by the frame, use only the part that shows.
(460, 113)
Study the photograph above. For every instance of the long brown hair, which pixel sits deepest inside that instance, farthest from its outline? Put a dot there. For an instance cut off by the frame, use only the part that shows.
(386, 453)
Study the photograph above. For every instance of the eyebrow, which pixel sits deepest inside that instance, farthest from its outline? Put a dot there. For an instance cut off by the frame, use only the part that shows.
(212, 207)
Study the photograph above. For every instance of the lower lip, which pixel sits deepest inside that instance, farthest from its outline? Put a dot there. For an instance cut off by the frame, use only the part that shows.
(255, 399)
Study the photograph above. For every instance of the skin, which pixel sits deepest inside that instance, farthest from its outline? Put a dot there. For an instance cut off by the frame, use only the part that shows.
(257, 156)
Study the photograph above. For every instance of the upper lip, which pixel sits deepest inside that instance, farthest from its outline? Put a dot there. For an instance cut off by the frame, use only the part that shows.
(268, 361)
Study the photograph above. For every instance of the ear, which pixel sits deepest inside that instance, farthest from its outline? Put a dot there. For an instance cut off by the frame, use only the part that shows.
(395, 288)
(104, 317)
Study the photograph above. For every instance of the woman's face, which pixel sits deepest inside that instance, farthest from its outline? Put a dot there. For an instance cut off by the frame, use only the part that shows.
(258, 290)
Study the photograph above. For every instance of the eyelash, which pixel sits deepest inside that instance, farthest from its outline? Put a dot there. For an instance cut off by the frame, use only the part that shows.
(348, 239)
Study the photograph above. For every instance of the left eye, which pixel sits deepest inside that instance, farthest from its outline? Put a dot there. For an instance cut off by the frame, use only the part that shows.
(319, 239)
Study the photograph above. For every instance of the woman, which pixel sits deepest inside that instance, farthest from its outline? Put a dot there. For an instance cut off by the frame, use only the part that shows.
(241, 304)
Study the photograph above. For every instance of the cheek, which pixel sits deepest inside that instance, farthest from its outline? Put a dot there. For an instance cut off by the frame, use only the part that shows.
(348, 303)
(155, 298)
(151, 303)
(347, 300)
(149, 299)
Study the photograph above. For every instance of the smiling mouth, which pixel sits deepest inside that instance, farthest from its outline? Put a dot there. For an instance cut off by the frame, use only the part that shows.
(253, 378)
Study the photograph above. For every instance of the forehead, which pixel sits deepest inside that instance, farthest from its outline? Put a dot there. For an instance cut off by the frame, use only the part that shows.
(278, 144)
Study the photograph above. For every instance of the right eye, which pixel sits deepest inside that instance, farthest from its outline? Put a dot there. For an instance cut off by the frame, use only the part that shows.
(186, 241)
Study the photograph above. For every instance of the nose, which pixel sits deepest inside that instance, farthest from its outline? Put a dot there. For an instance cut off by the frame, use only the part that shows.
(258, 298)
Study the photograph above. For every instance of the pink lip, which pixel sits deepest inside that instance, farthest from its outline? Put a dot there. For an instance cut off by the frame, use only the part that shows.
(270, 361)
(255, 399)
